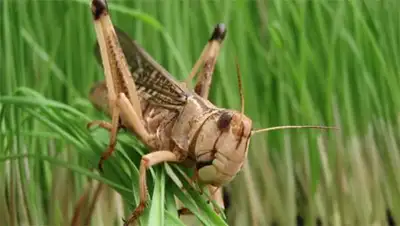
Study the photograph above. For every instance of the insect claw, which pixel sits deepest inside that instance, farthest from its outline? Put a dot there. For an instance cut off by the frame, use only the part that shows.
(138, 211)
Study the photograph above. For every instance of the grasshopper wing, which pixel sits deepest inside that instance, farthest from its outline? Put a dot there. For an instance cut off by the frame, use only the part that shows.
(153, 82)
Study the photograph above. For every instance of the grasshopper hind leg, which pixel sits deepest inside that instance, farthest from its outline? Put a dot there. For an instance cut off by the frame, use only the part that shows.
(207, 60)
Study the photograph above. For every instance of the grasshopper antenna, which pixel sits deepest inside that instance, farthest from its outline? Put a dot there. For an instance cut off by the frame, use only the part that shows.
(240, 86)
(291, 127)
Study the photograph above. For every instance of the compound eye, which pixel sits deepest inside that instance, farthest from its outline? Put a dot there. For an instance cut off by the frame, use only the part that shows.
(224, 121)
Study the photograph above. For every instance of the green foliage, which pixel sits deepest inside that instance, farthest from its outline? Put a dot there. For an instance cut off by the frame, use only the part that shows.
(307, 62)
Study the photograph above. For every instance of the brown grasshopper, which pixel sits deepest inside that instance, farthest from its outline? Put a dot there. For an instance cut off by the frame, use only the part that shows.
(178, 124)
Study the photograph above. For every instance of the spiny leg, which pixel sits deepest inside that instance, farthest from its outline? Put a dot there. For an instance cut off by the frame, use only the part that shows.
(124, 106)
(132, 119)
(147, 161)
(100, 15)
(209, 58)
(117, 75)
(113, 128)
(113, 137)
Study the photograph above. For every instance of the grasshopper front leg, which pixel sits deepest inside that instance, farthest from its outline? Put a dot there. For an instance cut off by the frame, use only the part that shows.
(147, 161)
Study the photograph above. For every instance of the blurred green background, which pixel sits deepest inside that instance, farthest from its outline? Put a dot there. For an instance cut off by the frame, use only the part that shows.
(302, 62)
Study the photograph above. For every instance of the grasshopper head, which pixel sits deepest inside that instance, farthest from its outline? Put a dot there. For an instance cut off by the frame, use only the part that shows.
(225, 151)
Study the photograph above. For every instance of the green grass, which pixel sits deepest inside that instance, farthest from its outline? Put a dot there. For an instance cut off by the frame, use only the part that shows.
(303, 62)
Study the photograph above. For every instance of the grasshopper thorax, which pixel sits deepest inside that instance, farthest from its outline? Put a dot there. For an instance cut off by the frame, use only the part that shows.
(221, 146)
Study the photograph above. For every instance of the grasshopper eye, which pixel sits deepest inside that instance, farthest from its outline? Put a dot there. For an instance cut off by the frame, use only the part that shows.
(224, 121)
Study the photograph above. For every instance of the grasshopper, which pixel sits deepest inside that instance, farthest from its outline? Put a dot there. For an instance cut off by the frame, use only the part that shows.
(178, 124)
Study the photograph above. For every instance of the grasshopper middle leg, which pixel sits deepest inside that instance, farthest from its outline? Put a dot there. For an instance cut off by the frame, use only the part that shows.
(122, 105)
(113, 127)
